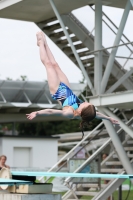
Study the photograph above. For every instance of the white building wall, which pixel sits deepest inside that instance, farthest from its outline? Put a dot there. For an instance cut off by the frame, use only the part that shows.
(43, 152)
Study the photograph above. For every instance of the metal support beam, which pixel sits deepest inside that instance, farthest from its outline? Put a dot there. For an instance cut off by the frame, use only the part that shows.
(3, 98)
(71, 152)
(108, 190)
(120, 192)
(123, 57)
(83, 35)
(97, 46)
(123, 125)
(17, 96)
(72, 46)
(107, 48)
(96, 153)
(20, 117)
(27, 98)
(4, 4)
(120, 100)
(48, 99)
(118, 146)
(114, 51)
(38, 96)
(131, 2)
(120, 81)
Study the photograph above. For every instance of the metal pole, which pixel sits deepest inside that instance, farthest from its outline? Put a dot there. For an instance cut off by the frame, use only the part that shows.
(120, 81)
(123, 125)
(112, 47)
(123, 57)
(120, 193)
(114, 51)
(72, 46)
(131, 2)
(98, 45)
(118, 146)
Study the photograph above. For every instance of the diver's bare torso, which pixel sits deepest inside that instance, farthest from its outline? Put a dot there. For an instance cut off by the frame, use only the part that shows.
(74, 113)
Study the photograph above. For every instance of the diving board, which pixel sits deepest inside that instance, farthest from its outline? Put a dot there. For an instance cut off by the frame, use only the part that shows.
(73, 175)
(4, 181)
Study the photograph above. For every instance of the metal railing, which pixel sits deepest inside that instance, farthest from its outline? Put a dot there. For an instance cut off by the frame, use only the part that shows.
(94, 155)
(72, 153)
(123, 35)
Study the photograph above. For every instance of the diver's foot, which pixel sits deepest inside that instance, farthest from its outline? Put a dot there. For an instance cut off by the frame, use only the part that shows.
(44, 38)
(39, 38)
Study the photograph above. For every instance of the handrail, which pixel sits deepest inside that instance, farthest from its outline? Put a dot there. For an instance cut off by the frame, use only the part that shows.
(88, 32)
(115, 46)
(73, 149)
(116, 33)
(112, 23)
(76, 153)
(116, 26)
(97, 152)
(84, 145)
(67, 181)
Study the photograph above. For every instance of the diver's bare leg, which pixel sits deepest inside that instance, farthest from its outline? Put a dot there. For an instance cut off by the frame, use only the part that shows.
(63, 78)
(52, 76)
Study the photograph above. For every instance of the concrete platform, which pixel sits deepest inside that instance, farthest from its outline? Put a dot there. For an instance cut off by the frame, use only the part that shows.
(40, 10)
(30, 196)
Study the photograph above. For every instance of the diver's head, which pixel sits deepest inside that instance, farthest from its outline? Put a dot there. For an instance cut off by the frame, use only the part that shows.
(87, 113)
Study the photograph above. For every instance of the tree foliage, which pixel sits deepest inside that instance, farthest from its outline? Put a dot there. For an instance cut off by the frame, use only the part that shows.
(53, 127)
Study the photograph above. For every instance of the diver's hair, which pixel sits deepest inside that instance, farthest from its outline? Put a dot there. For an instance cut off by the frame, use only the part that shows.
(87, 114)
(3, 156)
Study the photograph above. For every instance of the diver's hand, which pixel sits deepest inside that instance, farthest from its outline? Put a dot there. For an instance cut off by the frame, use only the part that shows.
(31, 115)
(113, 121)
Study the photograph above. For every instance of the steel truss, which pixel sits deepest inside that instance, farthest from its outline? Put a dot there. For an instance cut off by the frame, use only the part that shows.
(101, 80)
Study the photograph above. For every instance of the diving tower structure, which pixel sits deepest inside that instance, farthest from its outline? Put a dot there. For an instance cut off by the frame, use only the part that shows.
(110, 85)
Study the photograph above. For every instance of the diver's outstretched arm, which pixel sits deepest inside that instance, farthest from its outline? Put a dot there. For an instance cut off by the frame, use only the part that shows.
(102, 116)
(51, 112)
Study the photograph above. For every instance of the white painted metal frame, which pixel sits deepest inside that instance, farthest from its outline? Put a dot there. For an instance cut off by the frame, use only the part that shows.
(123, 35)
(131, 2)
(114, 51)
(3, 98)
(100, 88)
(98, 45)
(96, 153)
(119, 82)
(118, 146)
(72, 46)
(122, 124)
(33, 94)
(112, 47)
(98, 85)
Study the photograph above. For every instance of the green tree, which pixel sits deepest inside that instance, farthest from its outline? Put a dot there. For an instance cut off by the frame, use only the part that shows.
(49, 128)
(9, 79)
(23, 78)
